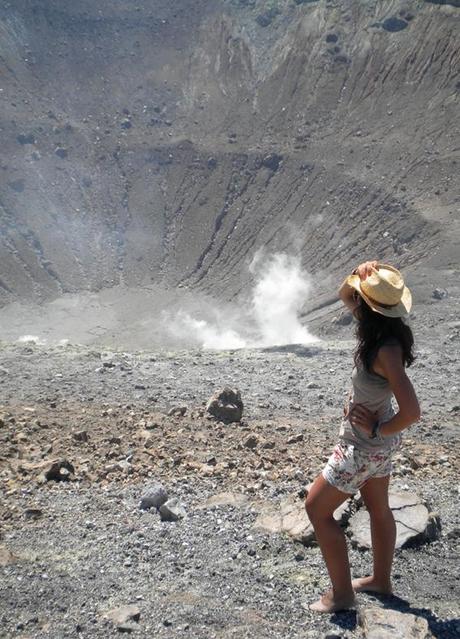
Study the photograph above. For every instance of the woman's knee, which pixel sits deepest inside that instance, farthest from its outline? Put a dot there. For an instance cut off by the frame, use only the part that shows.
(316, 509)
(380, 512)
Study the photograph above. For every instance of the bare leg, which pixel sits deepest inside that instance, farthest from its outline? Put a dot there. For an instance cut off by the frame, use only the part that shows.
(321, 502)
(383, 534)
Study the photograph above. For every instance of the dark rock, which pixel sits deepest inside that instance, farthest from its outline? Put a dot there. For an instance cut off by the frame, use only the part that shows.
(212, 163)
(26, 138)
(126, 124)
(226, 405)
(332, 37)
(298, 2)
(251, 442)
(394, 24)
(272, 161)
(439, 294)
(61, 152)
(80, 436)
(33, 513)
(59, 470)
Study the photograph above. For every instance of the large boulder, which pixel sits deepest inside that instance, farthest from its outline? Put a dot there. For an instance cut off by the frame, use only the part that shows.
(226, 405)
(414, 523)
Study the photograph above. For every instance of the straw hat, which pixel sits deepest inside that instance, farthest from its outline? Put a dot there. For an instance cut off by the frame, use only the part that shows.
(384, 291)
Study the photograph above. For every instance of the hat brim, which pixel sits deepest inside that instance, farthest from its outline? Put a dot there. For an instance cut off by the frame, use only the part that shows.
(400, 310)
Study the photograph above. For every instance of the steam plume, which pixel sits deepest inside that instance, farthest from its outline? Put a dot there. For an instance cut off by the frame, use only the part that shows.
(281, 287)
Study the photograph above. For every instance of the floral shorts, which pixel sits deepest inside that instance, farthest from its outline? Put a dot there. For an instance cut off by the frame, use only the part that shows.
(349, 467)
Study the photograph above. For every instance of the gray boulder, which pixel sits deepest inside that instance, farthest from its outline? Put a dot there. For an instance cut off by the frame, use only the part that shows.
(154, 497)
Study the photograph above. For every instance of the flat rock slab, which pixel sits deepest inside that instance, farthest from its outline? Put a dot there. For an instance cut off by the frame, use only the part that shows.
(414, 523)
(384, 623)
(289, 516)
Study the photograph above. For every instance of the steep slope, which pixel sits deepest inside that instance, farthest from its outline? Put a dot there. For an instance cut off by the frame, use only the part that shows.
(166, 142)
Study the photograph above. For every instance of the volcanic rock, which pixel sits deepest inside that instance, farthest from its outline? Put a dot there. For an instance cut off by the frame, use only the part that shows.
(154, 497)
(226, 405)
(172, 510)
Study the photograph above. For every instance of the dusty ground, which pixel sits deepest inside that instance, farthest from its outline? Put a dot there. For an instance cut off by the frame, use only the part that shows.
(71, 550)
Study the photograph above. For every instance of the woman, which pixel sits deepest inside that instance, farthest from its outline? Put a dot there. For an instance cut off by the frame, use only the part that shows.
(370, 431)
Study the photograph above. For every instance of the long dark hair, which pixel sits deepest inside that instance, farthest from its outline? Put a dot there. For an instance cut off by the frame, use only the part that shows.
(374, 329)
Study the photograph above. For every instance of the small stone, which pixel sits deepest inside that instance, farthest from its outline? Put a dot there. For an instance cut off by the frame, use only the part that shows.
(295, 439)
(177, 410)
(172, 510)
(80, 436)
(394, 24)
(126, 123)
(439, 294)
(58, 470)
(251, 442)
(33, 513)
(154, 497)
(272, 161)
(61, 152)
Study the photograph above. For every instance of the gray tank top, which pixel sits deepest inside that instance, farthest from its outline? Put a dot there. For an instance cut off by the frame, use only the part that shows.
(374, 392)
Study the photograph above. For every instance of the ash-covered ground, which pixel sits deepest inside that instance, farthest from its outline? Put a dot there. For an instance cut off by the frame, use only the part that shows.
(72, 550)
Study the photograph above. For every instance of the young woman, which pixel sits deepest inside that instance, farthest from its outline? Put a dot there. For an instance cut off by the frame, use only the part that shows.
(370, 431)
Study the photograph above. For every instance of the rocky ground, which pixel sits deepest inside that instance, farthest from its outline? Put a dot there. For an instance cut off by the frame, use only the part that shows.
(75, 549)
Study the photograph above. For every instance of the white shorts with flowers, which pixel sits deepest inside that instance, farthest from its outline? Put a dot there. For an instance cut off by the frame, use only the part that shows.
(349, 467)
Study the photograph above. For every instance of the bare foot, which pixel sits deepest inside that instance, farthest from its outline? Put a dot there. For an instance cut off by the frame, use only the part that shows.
(369, 584)
(328, 603)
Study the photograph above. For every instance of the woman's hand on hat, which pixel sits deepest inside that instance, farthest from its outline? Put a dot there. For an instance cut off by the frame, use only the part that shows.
(362, 418)
(366, 268)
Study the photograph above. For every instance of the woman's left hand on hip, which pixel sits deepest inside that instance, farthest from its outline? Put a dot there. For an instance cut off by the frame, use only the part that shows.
(361, 417)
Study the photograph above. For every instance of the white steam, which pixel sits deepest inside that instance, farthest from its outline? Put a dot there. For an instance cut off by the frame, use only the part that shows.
(278, 297)
(272, 317)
